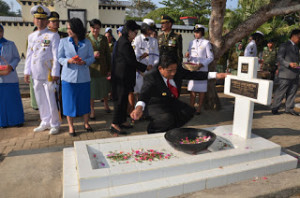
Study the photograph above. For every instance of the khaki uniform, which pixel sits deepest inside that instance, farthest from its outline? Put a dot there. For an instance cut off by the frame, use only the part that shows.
(269, 63)
(269, 58)
(170, 44)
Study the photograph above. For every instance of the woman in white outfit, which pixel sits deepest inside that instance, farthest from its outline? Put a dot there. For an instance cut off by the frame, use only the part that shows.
(199, 52)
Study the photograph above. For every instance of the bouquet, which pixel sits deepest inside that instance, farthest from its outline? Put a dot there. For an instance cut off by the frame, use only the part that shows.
(77, 58)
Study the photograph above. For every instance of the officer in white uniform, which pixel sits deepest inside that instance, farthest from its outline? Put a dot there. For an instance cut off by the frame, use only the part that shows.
(251, 48)
(41, 63)
(199, 52)
(146, 50)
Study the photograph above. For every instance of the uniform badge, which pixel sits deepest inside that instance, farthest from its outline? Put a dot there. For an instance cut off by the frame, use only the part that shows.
(45, 43)
(164, 94)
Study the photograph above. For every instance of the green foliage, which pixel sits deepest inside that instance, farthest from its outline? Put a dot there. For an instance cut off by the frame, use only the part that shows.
(277, 28)
(139, 8)
(4, 9)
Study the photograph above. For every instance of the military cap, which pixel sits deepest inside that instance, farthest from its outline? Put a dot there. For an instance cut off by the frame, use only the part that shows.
(198, 27)
(150, 23)
(166, 18)
(40, 11)
(54, 16)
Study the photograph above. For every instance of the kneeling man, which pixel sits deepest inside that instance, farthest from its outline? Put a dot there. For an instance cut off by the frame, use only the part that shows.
(160, 93)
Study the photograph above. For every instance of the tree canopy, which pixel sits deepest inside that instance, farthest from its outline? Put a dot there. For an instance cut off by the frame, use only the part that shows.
(5, 9)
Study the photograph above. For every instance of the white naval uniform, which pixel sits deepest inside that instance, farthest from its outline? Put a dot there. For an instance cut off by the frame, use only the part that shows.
(200, 51)
(141, 46)
(41, 59)
(251, 49)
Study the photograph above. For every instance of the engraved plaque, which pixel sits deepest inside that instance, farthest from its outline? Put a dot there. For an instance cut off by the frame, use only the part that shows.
(244, 88)
(244, 68)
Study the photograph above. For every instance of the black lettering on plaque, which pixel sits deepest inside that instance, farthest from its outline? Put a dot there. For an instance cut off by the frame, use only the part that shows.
(244, 88)
(244, 68)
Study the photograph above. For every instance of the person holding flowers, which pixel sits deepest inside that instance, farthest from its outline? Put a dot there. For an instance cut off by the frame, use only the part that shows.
(76, 54)
(11, 108)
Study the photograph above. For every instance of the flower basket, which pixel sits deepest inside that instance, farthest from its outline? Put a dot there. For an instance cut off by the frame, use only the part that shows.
(191, 66)
(175, 136)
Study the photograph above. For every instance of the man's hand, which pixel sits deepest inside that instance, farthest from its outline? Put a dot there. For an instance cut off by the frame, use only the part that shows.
(137, 113)
(221, 75)
(294, 65)
(55, 78)
(144, 56)
(27, 79)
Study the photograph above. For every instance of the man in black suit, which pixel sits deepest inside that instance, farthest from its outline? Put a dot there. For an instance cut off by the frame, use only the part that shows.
(160, 92)
(288, 58)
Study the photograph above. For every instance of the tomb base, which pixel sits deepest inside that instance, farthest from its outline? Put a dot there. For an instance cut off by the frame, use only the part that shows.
(88, 173)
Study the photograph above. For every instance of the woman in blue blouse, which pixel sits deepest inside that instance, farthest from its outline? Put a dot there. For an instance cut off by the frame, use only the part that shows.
(76, 54)
(11, 108)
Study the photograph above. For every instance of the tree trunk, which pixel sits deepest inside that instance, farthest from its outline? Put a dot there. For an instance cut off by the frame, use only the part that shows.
(221, 44)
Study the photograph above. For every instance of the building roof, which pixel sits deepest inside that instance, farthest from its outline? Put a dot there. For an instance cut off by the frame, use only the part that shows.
(114, 3)
(176, 27)
(10, 19)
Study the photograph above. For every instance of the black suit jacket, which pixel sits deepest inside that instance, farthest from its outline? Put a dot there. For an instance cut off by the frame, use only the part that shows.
(288, 53)
(125, 65)
(158, 96)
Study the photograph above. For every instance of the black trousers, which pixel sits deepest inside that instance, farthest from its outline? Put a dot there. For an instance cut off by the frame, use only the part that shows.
(120, 100)
(288, 88)
(174, 115)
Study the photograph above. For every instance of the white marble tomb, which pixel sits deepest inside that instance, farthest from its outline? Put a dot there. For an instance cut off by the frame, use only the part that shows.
(87, 173)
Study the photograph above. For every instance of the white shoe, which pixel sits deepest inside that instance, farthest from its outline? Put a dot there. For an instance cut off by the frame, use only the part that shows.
(41, 128)
(54, 130)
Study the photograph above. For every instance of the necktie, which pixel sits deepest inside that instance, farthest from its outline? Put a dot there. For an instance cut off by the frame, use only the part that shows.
(173, 89)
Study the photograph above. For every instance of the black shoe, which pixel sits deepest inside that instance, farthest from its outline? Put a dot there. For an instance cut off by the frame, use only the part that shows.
(113, 130)
(275, 112)
(89, 129)
(294, 113)
(73, 134)
(92, 118)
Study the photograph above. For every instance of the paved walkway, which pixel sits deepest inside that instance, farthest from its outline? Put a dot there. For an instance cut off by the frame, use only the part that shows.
(282, 129)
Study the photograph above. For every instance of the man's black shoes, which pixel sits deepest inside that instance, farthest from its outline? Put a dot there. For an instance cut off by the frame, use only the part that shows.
(292, 112)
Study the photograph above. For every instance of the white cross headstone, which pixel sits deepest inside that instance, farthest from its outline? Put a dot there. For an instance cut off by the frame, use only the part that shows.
(247, 89)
